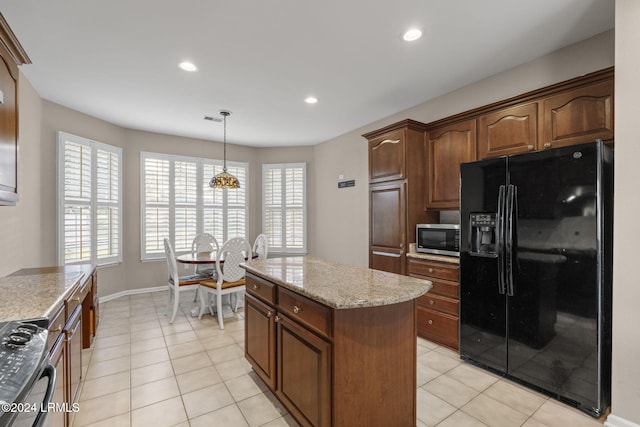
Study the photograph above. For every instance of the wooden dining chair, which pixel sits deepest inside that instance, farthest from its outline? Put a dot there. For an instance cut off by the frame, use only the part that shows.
(176, 283)
(230, 279)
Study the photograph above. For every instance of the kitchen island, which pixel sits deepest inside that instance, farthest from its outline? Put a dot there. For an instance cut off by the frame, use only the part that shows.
(336, 343)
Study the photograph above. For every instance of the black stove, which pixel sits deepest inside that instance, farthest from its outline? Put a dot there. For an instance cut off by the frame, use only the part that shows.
(24, 362)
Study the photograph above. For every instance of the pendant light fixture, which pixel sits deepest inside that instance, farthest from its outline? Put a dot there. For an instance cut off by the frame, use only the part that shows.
(224, 179)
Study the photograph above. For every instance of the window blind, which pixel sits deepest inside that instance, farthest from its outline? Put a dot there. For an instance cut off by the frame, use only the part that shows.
(89, 190)
(284, 207)
(178, 202)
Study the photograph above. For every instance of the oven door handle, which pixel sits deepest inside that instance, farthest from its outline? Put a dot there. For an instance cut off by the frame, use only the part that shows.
(48, 371)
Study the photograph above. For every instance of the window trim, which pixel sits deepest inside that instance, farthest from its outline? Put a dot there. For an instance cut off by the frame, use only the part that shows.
(61, 138)
(200, 205)
(282, 167)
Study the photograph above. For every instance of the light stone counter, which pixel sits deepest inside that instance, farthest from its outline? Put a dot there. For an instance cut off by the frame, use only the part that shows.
(441, 258)
(339, 286)
(35, 296)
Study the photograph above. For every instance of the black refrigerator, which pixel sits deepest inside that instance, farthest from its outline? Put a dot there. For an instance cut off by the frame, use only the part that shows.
(536, 270)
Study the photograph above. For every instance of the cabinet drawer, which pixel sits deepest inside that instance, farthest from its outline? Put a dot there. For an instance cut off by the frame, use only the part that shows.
(437, 326)
(261, 289)
(434, 269)
(310, 313)
(445, 288)
(56, 325)
(77, 297)
(439, 303)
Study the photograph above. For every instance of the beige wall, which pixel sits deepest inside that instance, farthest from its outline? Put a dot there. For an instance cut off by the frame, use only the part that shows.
(20, 226)
(626, 286)
(342, 216)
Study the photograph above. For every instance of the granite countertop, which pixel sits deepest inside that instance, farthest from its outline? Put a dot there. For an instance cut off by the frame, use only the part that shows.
(441, 258)
(35, 296)
(339, 286)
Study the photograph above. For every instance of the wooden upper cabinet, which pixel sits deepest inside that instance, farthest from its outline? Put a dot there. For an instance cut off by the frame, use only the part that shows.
(578, 115)
(386, 157)
(11, 56)
(509, 131)
(392, 148)
(447, 147)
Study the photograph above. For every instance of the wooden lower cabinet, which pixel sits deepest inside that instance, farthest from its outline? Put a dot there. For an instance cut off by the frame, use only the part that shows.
(58, 357)
(73, 332)
(333, 367)
(438, 311)
(303, 373)
(260, 339)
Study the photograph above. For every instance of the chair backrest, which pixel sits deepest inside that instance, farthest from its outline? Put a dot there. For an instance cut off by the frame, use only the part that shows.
(234, 252)
(204, 242)
(172, 265)
(260, 246)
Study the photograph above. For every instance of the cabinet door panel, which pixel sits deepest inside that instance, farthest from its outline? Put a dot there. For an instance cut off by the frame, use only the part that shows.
(73, 331)
(448, 147)
(386, 157)
(58, 360)
(8, 137)
(579, 115)
(260, 338)
(304, 373)
(509, 131)
(387, 206)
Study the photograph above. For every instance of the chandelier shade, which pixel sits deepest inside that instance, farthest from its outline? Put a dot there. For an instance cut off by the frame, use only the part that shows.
(224, 179)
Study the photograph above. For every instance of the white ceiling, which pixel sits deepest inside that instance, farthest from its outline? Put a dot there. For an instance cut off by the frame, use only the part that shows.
(118, 59)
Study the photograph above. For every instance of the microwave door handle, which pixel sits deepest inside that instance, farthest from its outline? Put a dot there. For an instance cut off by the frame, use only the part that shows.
(500, 239)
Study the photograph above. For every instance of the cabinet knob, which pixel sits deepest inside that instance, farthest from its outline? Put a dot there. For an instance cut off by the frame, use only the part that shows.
(430, 270)
(547, 145)
(255, 286)
(76, 299)
(296, 309)
(277, 318)
(58, 329)
(431, 302)
(430, 322)
(269, 313)
(529, 147)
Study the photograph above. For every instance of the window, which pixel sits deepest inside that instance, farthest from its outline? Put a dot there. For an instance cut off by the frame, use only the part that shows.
(284, 204)
(177, 202)
(90, 207)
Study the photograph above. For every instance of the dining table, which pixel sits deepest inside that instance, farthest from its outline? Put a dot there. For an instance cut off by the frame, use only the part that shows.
(203, 258)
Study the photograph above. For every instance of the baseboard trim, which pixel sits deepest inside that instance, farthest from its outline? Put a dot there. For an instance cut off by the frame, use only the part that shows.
(131, 292)
(616, 421)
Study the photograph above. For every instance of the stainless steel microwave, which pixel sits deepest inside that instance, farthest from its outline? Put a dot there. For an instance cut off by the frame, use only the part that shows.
(438, 239)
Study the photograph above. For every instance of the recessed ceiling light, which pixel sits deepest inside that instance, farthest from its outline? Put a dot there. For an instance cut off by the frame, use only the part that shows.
(187, 66)
(311, 100)
(412, 34)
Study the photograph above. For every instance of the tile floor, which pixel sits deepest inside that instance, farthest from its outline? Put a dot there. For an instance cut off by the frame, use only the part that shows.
(142, 371)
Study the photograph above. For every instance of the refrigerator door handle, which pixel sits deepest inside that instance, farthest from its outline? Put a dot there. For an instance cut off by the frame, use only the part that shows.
(512, 192)
(500, 239)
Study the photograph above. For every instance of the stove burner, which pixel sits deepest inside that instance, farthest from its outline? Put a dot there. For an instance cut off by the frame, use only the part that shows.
(19, 339)
(28, 328)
